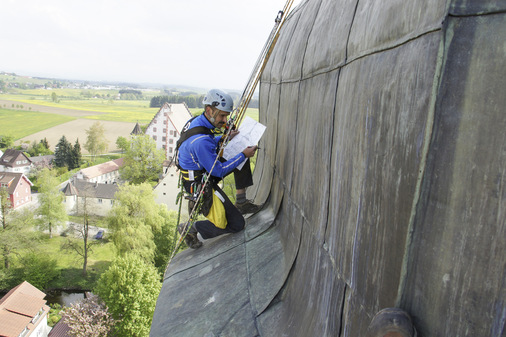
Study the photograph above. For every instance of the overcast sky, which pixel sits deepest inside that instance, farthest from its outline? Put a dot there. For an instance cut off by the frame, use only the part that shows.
(200, 43)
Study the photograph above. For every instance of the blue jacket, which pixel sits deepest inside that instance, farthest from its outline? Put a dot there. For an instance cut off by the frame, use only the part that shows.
(199, 152)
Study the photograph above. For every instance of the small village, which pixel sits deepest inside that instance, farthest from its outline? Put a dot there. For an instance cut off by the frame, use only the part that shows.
(95, 187)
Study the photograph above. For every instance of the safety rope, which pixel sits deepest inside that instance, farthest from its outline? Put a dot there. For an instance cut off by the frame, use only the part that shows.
(237, 115)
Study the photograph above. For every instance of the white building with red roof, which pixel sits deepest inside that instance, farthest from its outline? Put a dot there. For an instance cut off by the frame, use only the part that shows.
(23, 312)
(106, 173)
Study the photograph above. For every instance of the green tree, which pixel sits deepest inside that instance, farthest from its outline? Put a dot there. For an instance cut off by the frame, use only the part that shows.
(54, 97)
(122, 143)
(83, 246)
(6, 141)
(51, 208)
(89, 317)
(63, 152)
(143, 162)
(133, 218)
(130, 288)
(39, 269)
(75, 157)
(15, 232)
(165, 237)
(96, 143)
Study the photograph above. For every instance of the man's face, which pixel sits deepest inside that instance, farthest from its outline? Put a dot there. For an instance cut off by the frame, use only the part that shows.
(220, 118)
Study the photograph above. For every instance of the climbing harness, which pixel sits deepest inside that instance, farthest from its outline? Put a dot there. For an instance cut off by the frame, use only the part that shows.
(235, 119)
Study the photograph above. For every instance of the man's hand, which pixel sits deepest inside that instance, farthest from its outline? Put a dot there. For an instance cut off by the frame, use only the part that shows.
(232, 134)
(250, 151)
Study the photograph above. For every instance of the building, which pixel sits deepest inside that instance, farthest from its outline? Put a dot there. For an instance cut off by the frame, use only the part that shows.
(43, 161)
(23, 312)
(166, 191)
(166, 126)
(106, 173)
(15, 161)
(18, 187)
(98, 198)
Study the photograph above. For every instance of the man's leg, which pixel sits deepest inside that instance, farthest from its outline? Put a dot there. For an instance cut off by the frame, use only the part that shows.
(243, 179)
(235, 221)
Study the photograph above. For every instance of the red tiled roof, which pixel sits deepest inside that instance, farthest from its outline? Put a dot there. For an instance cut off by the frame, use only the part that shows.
(18, 307)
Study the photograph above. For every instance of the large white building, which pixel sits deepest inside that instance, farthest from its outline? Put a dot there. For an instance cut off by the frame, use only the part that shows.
(166, 126)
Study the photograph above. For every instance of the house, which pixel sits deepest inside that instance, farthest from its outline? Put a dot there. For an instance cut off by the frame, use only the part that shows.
(106, 173)
(166, 126)
(61, 329)
(23, 312)
(15, 161)
(18, 186)
(43, 161)
(166, 190)
(98, 198)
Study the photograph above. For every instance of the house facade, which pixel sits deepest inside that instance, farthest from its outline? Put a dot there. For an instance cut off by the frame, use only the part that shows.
(18, 187)
(166, 126)
(106, 173)
(23, 312)
(97, 198)
(15, 161)
(166, 190)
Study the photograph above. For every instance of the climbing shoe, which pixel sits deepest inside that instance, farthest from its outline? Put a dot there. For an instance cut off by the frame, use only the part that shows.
(247, 207)
(191, 238)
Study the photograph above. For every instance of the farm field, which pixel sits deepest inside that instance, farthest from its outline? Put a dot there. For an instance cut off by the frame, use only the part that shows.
(30, 118)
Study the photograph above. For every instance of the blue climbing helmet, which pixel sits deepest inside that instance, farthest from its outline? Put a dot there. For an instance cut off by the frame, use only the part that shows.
(219, 99)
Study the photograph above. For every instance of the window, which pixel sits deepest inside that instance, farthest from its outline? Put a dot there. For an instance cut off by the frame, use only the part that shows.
(170, 150)
(171, 141)
(154, 129)
(164, 131)
(154, 137)
(171, 132)
(99, 201)
(164, 139)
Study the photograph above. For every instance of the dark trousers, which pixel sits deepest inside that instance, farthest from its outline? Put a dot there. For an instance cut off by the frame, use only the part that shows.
(243, 178)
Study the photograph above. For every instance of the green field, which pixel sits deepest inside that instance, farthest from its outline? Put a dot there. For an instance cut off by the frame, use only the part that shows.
(19, 123)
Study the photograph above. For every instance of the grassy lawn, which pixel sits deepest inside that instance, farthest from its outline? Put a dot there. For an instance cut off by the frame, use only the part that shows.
(19, 123)
(70, 264)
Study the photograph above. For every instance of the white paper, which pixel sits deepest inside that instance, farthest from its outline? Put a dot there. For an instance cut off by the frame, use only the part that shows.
(249, 134)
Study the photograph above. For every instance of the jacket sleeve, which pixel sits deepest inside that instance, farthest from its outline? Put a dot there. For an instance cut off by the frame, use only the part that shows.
(206, 156)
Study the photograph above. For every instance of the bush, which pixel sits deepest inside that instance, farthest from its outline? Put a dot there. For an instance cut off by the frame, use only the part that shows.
(39, 270)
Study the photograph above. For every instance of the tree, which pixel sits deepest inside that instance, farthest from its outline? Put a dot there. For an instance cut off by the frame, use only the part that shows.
(63, 152)
(51, 208)
(15, 233)
(75, 157)
(88, 317)
(96, 143)
(130, 288)
(132, 219)
(39, 269)
(6, 141)
(142, 161)
(122, 143)
(84, 247)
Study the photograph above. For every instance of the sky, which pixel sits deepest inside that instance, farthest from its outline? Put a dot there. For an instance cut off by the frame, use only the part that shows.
(197, 43)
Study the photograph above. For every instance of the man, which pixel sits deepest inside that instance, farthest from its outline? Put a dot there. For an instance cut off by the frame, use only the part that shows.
(198, 154)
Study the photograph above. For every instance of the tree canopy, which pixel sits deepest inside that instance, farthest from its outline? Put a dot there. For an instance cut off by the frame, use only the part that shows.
(96, 143)
(142, 161)
(51, 207)
(130, 288)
